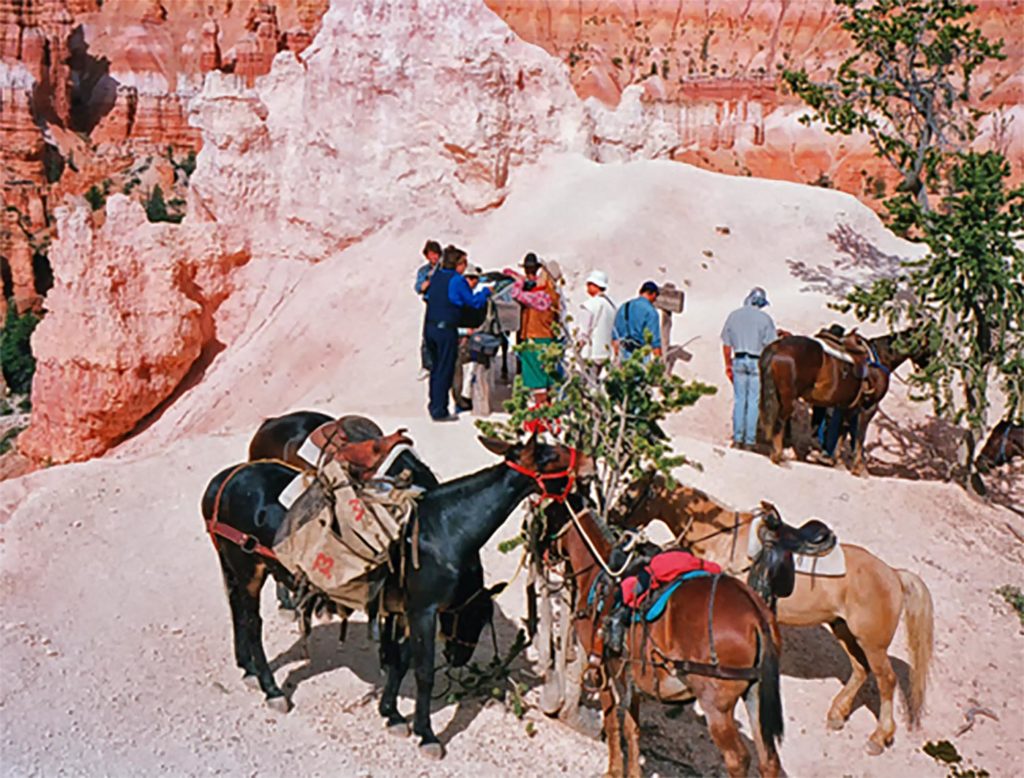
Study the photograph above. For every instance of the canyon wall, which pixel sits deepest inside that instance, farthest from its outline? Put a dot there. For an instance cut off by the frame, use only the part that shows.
(393, 112)
(706, 77)
(91, 92)
(286, 173)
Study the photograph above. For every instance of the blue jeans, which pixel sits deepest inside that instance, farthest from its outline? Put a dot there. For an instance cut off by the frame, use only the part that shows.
(746, 385)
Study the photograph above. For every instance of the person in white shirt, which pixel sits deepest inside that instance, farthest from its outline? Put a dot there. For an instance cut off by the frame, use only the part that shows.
(596, 322)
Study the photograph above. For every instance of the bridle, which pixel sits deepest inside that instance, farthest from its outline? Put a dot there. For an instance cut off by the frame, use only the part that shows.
(541, 478)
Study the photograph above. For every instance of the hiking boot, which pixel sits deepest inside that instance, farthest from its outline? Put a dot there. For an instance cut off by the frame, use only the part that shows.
(615, 630)
(449, 417)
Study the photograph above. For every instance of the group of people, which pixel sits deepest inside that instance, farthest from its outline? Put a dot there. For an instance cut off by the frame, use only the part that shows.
(447, 284)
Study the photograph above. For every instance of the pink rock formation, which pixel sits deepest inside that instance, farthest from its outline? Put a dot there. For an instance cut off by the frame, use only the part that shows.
(134, 65)
(451, 98)
(715, 97)
(130, 312)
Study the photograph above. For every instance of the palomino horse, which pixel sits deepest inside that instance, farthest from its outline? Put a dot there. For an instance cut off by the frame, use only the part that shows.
(862, 607)
(716, 642)
(799, 368)
(451, 524)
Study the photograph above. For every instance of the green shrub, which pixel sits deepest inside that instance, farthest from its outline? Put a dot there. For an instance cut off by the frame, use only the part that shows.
(156, 208)
(1015, 597)
(95, 197)
(16, 358)
(7, 439)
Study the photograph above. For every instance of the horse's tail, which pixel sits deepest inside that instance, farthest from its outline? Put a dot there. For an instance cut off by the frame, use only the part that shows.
(920, 618)
(770, 406)
(769, 693)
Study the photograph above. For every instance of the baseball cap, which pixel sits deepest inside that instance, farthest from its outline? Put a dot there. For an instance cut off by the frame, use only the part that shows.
(649, 286)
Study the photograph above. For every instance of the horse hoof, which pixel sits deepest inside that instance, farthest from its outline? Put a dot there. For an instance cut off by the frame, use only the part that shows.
(432, 750)
(551, 699)
(280, 704)
(873, 749)
(836, 724)
(251, 682)
(398, 729)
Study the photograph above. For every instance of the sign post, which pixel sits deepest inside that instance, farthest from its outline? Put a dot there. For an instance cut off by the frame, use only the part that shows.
(670, 301)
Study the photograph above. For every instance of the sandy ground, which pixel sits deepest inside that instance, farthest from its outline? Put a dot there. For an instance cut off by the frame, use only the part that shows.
(117, 658)
(114, 628)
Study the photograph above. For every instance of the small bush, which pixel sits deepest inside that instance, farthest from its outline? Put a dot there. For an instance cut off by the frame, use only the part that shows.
(95, 197)
(156, 208)
(16, 358)
(945, 753)
(7, 439)
(1015, 597)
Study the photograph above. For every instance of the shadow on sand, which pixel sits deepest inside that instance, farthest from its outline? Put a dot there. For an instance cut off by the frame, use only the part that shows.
(359, 653)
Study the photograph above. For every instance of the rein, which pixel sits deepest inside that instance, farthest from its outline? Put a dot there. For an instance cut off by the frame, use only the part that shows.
(614, 574)
(248, 543)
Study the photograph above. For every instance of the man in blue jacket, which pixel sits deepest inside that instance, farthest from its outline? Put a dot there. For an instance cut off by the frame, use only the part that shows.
(634, 321)
(449, 294)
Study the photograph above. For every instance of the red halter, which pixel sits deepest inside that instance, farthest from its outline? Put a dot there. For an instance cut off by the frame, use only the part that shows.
(540, 478)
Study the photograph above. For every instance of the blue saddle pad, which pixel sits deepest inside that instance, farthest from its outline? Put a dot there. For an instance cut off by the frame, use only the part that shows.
(654, 612)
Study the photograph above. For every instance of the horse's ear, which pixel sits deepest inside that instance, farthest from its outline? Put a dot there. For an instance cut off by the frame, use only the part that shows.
(495, 446)
(768, 507)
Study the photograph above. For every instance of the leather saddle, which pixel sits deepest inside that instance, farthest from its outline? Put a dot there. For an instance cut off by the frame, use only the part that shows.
(814, 538)
(361, 458)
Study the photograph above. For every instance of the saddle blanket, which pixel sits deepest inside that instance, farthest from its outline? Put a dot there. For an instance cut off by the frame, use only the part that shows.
(832, 351)
(661, 601)
(665, 568)
(832, 564)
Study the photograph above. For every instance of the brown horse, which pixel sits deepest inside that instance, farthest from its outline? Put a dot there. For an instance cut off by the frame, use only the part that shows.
(799, 368)
(862, 607)
(675, 658)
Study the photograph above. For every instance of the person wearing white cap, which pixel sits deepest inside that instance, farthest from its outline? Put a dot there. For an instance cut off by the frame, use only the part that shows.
(597, 321)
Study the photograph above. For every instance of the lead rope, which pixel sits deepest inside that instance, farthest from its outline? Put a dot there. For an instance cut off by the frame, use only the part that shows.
(630, 548)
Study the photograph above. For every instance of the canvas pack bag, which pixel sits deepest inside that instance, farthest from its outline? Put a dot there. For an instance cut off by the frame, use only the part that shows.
(338, 537)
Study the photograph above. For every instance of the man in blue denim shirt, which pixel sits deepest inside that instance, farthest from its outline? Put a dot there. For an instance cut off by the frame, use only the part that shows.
(432, 251)
(745, 334)
(634, 320)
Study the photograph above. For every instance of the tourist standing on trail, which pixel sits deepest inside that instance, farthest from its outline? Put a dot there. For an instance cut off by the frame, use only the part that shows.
(471, 319)
(747, 331)
(635, 321)
(432, 252)
(596, 323)
(449, 294)
(539, 298)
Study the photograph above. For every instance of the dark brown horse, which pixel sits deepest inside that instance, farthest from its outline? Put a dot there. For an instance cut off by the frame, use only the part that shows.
(1004, 444)
(673, 658)
(800, 368)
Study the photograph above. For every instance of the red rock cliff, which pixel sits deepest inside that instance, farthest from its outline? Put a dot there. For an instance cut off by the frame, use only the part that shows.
(716, 90)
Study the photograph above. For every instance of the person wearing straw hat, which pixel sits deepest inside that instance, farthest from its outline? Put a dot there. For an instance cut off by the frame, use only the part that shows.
(596, 322)
(539, 298)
